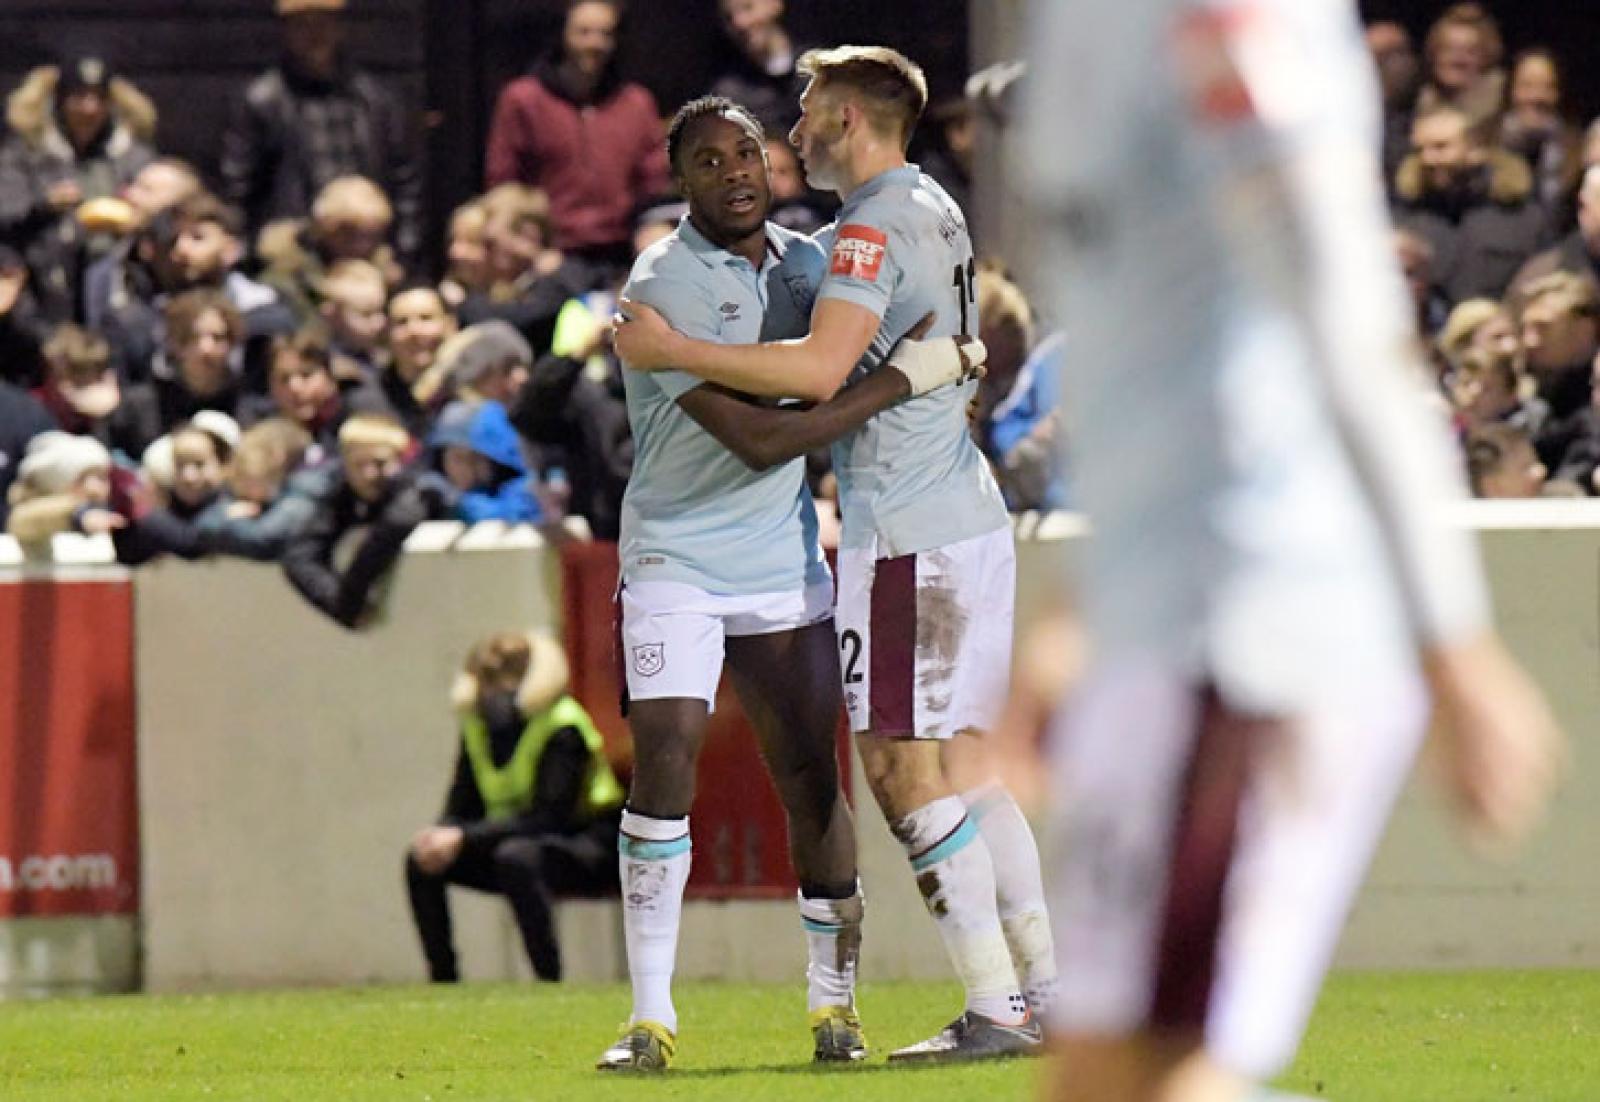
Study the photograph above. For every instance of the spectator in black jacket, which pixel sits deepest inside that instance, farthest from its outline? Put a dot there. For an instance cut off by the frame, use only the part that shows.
(266, 502)
(369, 488)
(313, 118)
(21, 419)
(534, 807)
(22, 329)
(197, 370)
(761, 71)
(186, 468)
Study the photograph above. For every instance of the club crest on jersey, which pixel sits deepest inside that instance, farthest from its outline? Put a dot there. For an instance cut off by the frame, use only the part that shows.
(649, 658)
(801, 292)
(858, 252)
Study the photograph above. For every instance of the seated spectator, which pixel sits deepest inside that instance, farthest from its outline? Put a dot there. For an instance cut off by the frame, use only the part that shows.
(1579, 251)
(21, 419)
(197, 370)
(1399, 80)
(1486, 389)
(1560, 330)
(350, 220)
(529, 278)
(83, 393)
(354, 303)
(303, 392)
(419, 324)
(592, 142)
(1478, 325)
(266, 503)
(759, 73)
(22, 328)
(476, 449)
(315, 117)
(369, 489)
(533, 809)
(1501, 463)
(78, 134)
(1474, 206)
(1536, 130)
(63, 484)
(467, 253)
(1017, 420)
(186, 468)
(1463, 52)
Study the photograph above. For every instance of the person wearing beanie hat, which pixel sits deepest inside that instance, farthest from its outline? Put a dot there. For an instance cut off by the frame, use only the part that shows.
(313, 118)
(78, 133)
(63, 482)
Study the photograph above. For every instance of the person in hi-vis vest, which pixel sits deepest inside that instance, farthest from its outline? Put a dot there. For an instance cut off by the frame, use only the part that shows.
(534, 807)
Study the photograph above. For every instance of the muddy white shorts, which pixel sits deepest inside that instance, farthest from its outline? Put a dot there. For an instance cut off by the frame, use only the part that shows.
(672, 633)
(925, 639)
(1206, 859)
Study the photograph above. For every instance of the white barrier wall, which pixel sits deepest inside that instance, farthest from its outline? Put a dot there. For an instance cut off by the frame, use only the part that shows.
(284, 763)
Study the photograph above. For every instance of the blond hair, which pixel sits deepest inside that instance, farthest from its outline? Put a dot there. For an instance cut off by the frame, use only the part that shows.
(515, 205)
(888, 86)
(1577, 295)
(269, 449)
(373, 430)
(1000, 300)
(351, 199)
(347, 275)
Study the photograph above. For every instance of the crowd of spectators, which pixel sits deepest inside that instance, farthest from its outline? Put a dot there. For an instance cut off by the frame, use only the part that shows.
(254, 359)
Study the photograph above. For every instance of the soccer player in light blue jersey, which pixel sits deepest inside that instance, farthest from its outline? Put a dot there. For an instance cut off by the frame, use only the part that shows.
(926, 563)
(1275, 585)
(720, 559)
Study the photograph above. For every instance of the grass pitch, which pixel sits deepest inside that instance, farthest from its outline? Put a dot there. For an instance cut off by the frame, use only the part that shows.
(1533, 1037)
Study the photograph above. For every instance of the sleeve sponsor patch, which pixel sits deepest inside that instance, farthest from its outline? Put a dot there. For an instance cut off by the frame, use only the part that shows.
(858, 252)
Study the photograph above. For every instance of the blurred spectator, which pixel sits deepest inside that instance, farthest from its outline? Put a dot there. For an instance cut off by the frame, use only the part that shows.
(1579, 251)
(186, 468)
(659, 219)
(1428, 306)
(760, 74)
(303, 392)
(530, 279)
(21, 419)
(1560, 330)
(419, 324)
(350, 220)
(159, 186)
(369, 489)
(592, 142)
(1479, 325)
(1536, 130)
(476, 449)
(78, 134)
(354, 310)
(951, 141)
(581, 427)
(265, 503)
(1501, 463)
(467, 254)
(1399, 80)
(533, 809)
(489, 361)
(794, 206)
(1463, 52)
(83, 393)
(22, 330)
(198, 370)
(1017, 423)
(313, 118)
(62, 484)
(1486, 389)
(1473, 204)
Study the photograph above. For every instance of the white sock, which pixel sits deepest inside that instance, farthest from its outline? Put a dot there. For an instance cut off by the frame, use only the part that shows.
(956, 878)
(653, 855)
(1019, 890)
(833, 949)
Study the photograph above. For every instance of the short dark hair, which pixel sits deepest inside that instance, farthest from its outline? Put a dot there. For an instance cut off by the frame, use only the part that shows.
(308, 345)
(697, 109)
(204, 207)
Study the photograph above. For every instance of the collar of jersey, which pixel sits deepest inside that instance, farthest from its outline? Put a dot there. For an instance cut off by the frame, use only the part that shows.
(713, 256)
(905, 174)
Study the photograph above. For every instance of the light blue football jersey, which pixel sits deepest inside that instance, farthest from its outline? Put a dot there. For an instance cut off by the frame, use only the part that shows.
(693, 512)
(911, 479)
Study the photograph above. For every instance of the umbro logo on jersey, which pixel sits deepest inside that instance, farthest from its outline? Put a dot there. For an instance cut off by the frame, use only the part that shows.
(649, 659)
(730, 308)
(858, 252)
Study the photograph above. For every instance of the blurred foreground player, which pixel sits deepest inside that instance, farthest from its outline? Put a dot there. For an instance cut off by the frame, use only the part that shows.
(1272, 593)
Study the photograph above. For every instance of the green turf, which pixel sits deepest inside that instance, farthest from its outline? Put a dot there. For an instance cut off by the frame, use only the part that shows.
(1532, 1037)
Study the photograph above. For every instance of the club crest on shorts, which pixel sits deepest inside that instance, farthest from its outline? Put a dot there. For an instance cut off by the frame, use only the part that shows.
(649, 658)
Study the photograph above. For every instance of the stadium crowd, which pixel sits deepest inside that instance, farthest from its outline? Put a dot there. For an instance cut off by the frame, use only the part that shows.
(254, 358)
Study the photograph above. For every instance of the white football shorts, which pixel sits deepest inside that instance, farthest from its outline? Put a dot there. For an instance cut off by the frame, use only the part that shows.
(1207, 859)
(925, 639)
(672, 632)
